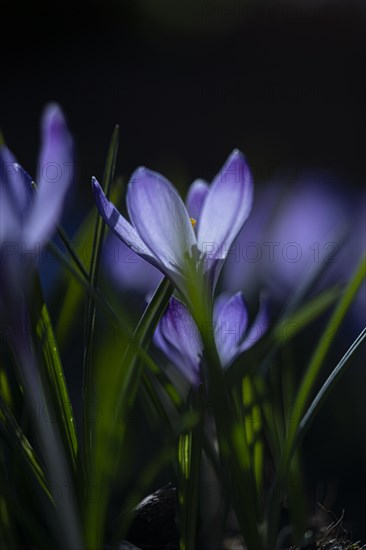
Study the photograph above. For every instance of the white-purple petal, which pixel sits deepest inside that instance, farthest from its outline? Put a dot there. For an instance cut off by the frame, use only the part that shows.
(55, 175)
(225, 210)
(15, 183)
(195, 199)
(231, 320)
(161, 220)
(177, 335)
(119, 225)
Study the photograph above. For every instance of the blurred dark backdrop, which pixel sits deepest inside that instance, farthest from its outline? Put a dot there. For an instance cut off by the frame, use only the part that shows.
(188, 82)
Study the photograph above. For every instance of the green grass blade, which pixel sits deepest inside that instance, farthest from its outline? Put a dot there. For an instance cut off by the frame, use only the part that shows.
(56, 382)
(326, 388)
(117, 389)
(295, 322)
(189, 460)
(16, 440)
(72, 291)
(253, 429)
(321, 350)
(305, 390)
(118, 324)
(50, 443)
(141, 337)
(99, 232)
(279, 335)
(234, 452)
(71, 250)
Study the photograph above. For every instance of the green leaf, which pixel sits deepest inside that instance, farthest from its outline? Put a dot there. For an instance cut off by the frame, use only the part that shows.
(78, 267)
(56, 382)
(90, 310)
(36, 395)
(328, 385)
(117, 388)
(15, 438)
(253, 430)
(234, 453)
(293, 323)
(304, 393)
(189, 459)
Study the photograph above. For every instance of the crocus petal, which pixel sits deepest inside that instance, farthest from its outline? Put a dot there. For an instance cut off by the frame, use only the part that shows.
(176, 358)
(177, 335)
(196, 196)
(258, 328)
(119, 225)
(16, 183)
(55, 174)
(231, 321)
(161, 219)
(225, 210)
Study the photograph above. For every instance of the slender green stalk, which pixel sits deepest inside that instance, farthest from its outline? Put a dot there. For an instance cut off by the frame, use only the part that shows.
(70, 249)
(88, 397)
(328, 385)
(234, 451)
(54, 372)
(14, 436)
(189, 459)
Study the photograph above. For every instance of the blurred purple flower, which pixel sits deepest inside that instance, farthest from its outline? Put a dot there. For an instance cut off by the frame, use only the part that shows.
(27, 217)
(162, 232)
(287, 235)
(127, 270)
(178, 337)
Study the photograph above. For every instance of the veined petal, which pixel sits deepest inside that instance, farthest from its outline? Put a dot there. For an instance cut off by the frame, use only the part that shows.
(177, 335)
(55, 174)
(119, 225)
(196, 196)
(225, 209)
(161, 220)
(231, 320)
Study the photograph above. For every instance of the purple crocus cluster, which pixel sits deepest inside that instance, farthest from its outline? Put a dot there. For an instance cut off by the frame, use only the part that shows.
(190, 240)
(289, 233)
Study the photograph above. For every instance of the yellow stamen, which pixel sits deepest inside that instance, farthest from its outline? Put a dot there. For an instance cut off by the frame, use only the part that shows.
(193, 221)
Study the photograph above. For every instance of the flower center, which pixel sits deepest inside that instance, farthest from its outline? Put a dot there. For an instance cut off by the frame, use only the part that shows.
(193, 221)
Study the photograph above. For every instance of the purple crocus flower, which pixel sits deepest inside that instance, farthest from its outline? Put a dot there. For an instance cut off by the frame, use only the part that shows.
(183, 242)
(28, 217)
(131, 272)
(178, 337)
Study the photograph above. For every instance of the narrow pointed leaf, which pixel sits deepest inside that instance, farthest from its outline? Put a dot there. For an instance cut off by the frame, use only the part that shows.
(55, 374)
(99, 232)
(14, 436)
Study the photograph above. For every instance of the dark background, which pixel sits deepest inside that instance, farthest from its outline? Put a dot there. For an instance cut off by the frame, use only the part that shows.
(188, 82)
